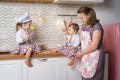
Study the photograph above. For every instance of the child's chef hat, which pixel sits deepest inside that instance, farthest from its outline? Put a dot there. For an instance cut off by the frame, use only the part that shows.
(24, 18)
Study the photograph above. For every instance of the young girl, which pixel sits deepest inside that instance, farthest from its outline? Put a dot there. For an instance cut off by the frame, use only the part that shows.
(72, 45)
(23, 38)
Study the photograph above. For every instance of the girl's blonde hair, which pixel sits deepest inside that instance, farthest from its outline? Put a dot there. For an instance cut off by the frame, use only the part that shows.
(89, 12)
(75, 27)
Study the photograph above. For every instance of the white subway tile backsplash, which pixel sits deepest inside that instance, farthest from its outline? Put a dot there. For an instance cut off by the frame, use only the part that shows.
(48, 29)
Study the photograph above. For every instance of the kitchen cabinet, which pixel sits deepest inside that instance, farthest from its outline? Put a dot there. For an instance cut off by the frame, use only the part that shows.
(70, 73)
(40, 1)
(10, 70)
(57, 1)
(78, 1)
(106, 67)
(52, 68)
(44, 69)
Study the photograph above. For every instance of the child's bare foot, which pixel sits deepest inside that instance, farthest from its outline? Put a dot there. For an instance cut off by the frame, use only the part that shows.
(53, 50)
(34, 53)
(29, 64)
(70, 63)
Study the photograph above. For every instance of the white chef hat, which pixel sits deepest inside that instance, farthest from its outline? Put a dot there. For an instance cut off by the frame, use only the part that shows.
(24, 18)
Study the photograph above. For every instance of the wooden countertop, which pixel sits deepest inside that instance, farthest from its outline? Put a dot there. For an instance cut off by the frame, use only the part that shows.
(43, 54)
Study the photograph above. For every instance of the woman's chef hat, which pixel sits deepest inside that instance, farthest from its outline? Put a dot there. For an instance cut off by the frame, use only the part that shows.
(24, 18)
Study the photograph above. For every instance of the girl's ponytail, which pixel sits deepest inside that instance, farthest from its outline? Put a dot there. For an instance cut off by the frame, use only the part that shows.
(17, 26)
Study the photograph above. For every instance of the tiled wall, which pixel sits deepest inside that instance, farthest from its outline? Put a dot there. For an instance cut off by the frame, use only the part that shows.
(47, 30)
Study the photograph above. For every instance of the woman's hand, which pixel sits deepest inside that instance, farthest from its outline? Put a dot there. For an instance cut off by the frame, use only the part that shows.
(78, 55)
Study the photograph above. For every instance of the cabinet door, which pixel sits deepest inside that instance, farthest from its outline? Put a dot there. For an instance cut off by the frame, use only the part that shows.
(106, 67)
(39, 1)
(10, 70)
(70, 73)
(43, 69)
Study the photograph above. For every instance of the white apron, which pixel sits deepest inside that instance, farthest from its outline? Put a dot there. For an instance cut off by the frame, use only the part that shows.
(89, 62)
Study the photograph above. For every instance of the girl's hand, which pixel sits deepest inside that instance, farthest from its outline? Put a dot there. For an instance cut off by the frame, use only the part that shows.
(71, 47)
(27, 36)
(65, 32)
(41, 43)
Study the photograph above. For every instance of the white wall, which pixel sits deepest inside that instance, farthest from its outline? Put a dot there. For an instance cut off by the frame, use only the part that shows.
(108, 12)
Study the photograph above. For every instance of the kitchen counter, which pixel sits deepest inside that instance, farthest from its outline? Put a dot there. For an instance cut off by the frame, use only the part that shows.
(43, 54)
(46, 66)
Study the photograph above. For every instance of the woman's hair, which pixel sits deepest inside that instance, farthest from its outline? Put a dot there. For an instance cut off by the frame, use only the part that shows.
(89, 12)
(75, 27)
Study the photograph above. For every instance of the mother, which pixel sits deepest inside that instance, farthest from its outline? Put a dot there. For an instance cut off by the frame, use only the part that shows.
(92, 54)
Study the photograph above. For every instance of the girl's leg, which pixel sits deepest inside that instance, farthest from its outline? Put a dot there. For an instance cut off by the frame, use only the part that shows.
(27, 57)
(71, 61)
